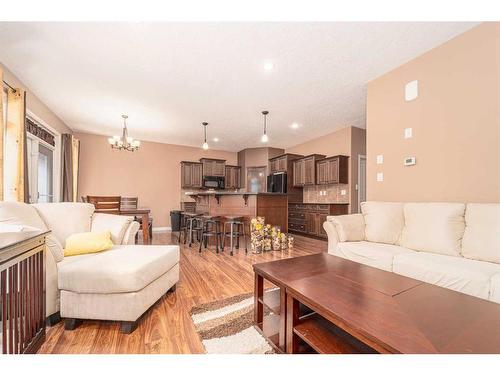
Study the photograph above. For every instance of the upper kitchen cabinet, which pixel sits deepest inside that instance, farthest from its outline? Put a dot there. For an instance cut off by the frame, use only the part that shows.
(213, 167)
(304, 170)
(282, 163)
(332, 170)
(233, 177)
(191, 174)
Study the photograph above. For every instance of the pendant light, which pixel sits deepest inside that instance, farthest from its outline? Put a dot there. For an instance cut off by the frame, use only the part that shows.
(264, 138)
(124, 142)
(205, 144)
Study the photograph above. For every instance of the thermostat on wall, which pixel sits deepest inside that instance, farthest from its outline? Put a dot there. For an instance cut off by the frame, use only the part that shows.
(410, 160)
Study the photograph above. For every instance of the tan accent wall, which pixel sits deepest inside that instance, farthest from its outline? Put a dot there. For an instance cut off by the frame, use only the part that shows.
(350, 141)
(153, 173)
(256, 157)
(455, 121)
(34, 104)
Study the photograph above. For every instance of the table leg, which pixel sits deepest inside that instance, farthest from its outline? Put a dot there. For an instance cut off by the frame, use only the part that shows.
(292, 318)
(145, 229)
(282, 329)
(258, 293)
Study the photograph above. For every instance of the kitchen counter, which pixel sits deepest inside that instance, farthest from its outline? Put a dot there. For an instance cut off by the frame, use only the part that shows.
(231, 193)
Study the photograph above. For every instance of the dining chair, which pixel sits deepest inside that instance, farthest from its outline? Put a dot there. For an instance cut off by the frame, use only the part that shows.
(131, 203)
(107, 205)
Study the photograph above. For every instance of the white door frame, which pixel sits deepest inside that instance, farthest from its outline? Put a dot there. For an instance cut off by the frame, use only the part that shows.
(360, 157)
(56, 159)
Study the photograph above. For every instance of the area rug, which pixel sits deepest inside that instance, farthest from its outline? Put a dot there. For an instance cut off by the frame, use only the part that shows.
(227, 327)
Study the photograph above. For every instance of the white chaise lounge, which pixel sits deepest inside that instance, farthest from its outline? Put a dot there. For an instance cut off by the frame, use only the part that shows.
(452, 245)
(119, 284)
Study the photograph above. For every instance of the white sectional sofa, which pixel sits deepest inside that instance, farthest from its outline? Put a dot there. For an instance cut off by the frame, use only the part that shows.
(452, 245)
(119, 284)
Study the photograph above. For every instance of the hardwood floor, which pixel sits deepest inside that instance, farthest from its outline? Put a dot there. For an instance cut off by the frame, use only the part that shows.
(167, 326)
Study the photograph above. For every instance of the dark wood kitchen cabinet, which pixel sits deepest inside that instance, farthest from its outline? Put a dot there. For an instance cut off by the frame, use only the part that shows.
(282, 163)
(213, 167)
(304, 170)
(308, 218)
(191, 174)
(332, 170)
(233, 177)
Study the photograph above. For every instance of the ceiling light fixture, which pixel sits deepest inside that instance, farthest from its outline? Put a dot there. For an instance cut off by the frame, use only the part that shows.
(268, 66)
(124, 142)
(295, 125)
(216, 139)
(265, 138)
(205, 144)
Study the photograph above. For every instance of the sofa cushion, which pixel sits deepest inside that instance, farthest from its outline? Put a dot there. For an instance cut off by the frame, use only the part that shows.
(54, 247)
(66, 218)
(495, 288)
(124, 268)
(434, 227)
(373, 254)
(20, 214)
(383, 221)
(116, 224)
(349, 227)
(463, 275)
(481, 239)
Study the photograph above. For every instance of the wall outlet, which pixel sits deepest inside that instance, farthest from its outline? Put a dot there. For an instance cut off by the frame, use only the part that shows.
(411, 91)
(380, 159)
(410, 160)
(343, 192)
(380, 177)
(408, 133)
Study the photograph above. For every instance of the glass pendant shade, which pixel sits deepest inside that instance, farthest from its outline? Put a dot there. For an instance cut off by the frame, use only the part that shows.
(124, 142)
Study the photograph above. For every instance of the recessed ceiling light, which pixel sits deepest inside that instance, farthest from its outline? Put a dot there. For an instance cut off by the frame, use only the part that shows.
(216, 139)
(295, 125)
(268, 66)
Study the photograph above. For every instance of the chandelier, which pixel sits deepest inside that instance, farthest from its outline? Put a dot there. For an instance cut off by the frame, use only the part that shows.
(124, 142)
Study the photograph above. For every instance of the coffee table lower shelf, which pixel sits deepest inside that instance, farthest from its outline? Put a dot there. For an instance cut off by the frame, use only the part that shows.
(326, 338)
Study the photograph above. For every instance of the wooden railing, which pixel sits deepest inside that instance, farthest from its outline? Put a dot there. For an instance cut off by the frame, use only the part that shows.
(22, 298)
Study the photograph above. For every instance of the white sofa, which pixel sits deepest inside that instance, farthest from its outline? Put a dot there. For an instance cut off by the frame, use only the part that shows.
(452, 245)
(119, 284)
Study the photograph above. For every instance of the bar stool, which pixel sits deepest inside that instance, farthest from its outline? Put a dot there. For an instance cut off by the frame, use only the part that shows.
(210, 227)
(192, 224)
(236, 230)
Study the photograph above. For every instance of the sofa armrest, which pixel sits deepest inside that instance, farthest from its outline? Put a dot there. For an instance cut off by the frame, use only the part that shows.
(349, 227)
(333, 238)
(116, 224)
(129, 237)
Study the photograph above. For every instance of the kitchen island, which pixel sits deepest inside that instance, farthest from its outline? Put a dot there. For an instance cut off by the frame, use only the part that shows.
(272, 206)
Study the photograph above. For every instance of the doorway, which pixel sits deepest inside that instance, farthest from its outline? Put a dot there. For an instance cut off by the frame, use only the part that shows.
(40, 170)
(361, 180)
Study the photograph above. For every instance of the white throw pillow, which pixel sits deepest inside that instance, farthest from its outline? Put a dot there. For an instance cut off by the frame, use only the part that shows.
(482, 232)
(66, 218)
(349, 227)
(434, 227)
(116, 224)
(384, 221)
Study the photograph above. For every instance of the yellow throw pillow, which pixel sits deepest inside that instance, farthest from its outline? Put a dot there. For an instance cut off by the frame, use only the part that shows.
(87, 243)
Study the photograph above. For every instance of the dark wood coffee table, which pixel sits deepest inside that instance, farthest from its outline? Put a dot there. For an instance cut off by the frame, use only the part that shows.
(361, 309)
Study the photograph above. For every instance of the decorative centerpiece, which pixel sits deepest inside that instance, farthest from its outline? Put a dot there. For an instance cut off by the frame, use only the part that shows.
(265, 237)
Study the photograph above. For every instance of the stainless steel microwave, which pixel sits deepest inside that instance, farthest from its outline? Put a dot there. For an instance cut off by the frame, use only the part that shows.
(213, 182)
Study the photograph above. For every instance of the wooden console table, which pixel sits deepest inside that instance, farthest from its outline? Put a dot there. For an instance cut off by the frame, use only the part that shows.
(353, 308)
(22, 292)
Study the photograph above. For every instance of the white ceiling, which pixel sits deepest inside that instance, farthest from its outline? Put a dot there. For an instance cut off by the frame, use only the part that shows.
(170, 77)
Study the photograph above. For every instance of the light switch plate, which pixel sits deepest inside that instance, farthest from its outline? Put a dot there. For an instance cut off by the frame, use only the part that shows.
(380, 159)
(408, 133)
(411, 91)
(380, 177)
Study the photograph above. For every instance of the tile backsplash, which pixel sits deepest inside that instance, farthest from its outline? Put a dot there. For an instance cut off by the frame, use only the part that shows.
(326, 193)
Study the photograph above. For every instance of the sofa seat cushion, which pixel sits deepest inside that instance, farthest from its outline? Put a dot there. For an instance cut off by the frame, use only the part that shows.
(463, 275)
(124, 268)
(495, 288)
(372, 254)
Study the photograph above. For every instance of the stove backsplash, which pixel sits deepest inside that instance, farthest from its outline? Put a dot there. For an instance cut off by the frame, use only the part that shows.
(326, 193)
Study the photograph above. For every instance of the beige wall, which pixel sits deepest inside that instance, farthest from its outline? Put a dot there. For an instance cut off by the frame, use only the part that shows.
(256, 157)
(153, 173)
(455, 121)
(34, 104)
(350, 141)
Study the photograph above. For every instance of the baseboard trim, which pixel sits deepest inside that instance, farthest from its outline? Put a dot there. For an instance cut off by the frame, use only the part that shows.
(162, 229)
